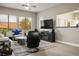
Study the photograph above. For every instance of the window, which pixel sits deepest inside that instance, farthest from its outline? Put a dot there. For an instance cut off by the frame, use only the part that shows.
(70, 19)
(3, 21)
(12, 22)
(29, 22)
(25, 23)
(22, 22)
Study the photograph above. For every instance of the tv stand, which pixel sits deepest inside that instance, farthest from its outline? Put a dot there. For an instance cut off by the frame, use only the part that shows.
(48, 36)
(47, 31)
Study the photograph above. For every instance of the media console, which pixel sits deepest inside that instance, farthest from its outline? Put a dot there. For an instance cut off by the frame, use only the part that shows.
(47, 36)
(47, 31)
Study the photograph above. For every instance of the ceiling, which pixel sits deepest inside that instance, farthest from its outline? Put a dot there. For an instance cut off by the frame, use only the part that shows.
(39, 6)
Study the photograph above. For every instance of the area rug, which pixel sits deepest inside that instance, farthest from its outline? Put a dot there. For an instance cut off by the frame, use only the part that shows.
(20, 50)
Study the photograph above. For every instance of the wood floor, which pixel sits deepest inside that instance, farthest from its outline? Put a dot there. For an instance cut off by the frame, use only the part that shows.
(59, 50)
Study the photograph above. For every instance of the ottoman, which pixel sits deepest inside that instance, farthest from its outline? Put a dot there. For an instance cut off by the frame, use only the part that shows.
(21, 40)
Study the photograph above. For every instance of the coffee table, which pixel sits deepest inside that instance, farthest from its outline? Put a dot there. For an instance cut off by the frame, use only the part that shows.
(21, 40)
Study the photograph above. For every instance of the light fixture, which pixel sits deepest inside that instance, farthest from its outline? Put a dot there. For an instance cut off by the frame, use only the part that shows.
(27, 4)
(76, 11)
(27, 8)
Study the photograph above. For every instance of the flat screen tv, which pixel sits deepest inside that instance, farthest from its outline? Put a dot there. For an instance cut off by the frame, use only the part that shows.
(48, 24)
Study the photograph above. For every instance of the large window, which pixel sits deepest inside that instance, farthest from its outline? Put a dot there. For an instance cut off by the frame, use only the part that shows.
(22, 22)
(12, 22)
(29, 22)
(25, 22)
(3, 21)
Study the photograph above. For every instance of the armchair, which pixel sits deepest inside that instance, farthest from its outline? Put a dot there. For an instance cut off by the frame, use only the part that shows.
(33, 41)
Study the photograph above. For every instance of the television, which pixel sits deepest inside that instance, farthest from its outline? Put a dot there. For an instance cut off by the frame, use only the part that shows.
(47, 24)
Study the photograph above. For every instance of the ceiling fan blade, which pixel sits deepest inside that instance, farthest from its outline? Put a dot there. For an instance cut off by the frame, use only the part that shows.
(33, 6)
(25, 5)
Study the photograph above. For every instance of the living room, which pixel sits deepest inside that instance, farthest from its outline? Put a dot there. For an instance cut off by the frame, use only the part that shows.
(23, 18)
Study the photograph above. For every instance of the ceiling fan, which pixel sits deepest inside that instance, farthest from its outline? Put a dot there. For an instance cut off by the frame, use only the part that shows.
(28, 6)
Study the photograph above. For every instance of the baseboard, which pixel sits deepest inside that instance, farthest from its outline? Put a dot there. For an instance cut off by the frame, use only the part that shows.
(68, 43)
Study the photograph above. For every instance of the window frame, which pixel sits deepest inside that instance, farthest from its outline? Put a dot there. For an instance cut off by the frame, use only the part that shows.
(17, 18)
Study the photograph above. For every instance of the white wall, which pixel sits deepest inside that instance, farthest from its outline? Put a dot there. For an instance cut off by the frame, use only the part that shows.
(70, 35)
(60, 9)
(9, 11)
